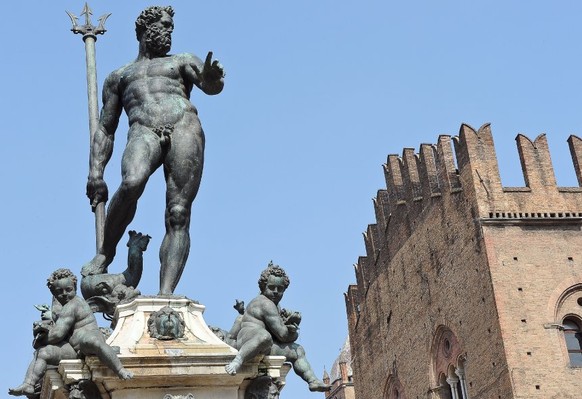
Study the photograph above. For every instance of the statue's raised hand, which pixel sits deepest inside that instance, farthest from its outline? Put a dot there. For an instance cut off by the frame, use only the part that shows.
(97, 191)
(239, 306)
(212, 70)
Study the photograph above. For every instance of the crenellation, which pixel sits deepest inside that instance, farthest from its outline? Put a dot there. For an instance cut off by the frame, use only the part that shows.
(394, 182)
(369, 242)
(477, 162)
(382, 210)
(429, 180)
(418, 183)
(352, 305)
(359, 271)
(536, 162)
(363, 274)
(445, 163)
(411, 179)
(575, 144)
(374, 236)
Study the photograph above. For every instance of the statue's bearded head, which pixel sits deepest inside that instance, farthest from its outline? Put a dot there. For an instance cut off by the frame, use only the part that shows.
(158, 40)
(154, 26)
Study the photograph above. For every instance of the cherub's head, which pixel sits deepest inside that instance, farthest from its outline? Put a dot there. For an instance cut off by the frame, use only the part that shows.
(273, 282)
(63, 285)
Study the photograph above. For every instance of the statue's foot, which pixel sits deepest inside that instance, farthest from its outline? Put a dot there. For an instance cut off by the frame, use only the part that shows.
(125, 374)
(98, 265)
(24, 389)
(138, 240)
(319, 386)
(233, 367)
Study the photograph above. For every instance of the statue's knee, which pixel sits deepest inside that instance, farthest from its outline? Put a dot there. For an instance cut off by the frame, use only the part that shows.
(42, 353)
(178, 215)
(300, 351)
(132, 186)
(45, 353)
(265, 340)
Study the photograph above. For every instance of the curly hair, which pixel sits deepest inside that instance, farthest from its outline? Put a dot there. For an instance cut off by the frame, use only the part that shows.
(273, 270)
(148, 16)
(60, 274)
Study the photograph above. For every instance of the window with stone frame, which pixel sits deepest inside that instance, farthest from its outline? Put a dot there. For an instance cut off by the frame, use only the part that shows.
(449, 365)
(573, 340)
(394, 389)
(455, 387)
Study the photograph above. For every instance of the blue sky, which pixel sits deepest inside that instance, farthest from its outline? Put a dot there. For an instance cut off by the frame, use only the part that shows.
(317, 94)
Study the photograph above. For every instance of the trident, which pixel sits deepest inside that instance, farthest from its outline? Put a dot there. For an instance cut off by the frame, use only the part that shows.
(90, 33)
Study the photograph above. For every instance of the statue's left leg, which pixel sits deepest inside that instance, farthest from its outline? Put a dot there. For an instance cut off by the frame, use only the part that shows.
(51, 355)
(183, 171)
(94, 344)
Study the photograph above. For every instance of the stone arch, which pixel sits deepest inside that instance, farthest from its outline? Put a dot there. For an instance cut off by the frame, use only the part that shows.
(562, 290)
(565, 304)
(447, 365)
(393, 388)
(445, 351)
(568, 303)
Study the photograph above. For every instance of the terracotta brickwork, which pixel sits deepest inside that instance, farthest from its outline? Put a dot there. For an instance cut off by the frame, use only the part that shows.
(466, 283)
(342, 386)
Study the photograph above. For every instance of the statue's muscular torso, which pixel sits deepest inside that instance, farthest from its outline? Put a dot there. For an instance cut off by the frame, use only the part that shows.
(156, 92)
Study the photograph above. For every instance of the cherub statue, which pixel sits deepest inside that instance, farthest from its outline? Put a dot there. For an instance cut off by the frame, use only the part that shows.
(75, 332)
(104, 291)
(266, 329)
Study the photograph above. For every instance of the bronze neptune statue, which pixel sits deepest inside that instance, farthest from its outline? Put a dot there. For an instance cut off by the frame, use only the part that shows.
(154, 90)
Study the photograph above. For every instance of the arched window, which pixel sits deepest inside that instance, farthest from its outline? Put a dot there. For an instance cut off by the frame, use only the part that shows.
(394, 389)
(456, 383)
(449, 365)
(573, 338)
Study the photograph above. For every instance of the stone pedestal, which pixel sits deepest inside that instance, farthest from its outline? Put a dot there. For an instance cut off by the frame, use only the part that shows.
(193, 364)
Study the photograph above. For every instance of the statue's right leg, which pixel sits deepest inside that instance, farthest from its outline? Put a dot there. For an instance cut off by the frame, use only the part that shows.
(141, 157)
(295, 354)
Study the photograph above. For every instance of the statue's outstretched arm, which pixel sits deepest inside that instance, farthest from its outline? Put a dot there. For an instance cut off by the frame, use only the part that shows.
(208, 76)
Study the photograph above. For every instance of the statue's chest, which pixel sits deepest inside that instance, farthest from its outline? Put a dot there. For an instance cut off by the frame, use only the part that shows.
(150, 69)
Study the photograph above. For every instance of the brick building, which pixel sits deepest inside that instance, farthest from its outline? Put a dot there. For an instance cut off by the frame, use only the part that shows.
(470, 289)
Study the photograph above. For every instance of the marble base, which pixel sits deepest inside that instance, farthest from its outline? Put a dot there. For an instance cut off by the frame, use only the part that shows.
(193, 364)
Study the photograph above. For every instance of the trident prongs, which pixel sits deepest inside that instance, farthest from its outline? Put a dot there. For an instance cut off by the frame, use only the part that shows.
(88, 29)
(74, 21)
(101, 28)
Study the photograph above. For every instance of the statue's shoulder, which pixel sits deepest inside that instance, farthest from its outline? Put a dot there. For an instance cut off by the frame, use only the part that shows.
(264, 303)
(116, 75)
(186, 58)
